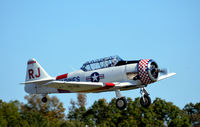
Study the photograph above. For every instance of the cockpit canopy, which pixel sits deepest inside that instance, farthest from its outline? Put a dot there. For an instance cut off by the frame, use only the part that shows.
(101, 63)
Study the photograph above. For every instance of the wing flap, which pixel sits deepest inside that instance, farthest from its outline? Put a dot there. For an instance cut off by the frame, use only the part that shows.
(75, 86)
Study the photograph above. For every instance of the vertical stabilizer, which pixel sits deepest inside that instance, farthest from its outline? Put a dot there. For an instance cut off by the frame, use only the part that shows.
(35, 71)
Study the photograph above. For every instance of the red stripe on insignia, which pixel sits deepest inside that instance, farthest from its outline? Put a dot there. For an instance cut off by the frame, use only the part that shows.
(31, 62)
(101, 76)
(110, 84)
(61, 76)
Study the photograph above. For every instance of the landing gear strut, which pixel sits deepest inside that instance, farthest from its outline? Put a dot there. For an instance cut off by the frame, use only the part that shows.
(121, 102)
(145, 100)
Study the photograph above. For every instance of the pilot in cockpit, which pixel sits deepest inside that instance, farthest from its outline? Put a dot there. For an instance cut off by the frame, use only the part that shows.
(114, 62)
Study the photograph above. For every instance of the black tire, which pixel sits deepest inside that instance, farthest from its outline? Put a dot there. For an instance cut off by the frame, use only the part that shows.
(121, 103)
(146, 102)
(44, 99)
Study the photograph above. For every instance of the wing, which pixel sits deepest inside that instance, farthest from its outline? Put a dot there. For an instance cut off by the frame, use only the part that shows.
(86, 87)
(95, 87)
(80, 86)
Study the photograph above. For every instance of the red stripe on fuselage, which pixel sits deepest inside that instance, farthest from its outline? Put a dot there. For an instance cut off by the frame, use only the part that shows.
(61, 76)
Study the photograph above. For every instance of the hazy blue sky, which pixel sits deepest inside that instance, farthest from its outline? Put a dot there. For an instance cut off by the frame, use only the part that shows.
(62, 35)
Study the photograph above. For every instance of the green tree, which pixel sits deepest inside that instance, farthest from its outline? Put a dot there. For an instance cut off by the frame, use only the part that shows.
(193, 111)
(160, 113)
(82, 99)
(97, 113)
(9, 114)
(36, 110)
(34, 119)
(100, 114)
(170, 113)
(77, 110)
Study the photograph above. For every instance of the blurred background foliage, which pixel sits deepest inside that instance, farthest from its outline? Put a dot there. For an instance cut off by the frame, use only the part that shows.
(100, 114)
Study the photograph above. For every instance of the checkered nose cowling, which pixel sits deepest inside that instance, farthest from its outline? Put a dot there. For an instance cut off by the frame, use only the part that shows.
(147, 71)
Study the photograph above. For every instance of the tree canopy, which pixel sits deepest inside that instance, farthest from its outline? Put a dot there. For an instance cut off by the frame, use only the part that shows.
(101, 113)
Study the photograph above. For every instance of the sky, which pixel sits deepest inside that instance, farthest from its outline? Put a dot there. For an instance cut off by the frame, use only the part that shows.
(62, 35)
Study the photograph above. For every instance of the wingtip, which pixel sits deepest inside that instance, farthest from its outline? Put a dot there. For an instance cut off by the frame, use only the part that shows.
(173, 73)
(166, 76)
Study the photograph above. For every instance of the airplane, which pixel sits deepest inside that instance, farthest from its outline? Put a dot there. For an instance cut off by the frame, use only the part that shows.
(101, 75)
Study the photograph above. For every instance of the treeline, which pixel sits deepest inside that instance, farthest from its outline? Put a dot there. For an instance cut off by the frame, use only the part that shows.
(100, 114)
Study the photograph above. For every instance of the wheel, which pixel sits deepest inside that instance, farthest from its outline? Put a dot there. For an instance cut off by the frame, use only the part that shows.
(44, 99)
(121, 103)
(146, 102)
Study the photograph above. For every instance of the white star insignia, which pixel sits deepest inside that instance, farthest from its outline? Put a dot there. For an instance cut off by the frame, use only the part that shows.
(94, 77)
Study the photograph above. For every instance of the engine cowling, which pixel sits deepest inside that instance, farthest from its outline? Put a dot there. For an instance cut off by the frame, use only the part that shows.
(148, 71)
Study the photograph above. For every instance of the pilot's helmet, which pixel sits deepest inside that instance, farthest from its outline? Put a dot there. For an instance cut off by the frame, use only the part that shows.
(114, 61)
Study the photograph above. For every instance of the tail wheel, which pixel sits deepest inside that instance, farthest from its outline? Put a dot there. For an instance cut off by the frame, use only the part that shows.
(145, 101)
(121, 103)
(44, 99)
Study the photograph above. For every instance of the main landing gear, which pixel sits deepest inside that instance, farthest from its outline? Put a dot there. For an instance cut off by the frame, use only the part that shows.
(121, 102)
(145, 100)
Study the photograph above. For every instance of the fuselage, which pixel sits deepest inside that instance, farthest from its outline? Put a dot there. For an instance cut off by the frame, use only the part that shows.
(111, 74)
(118, 74)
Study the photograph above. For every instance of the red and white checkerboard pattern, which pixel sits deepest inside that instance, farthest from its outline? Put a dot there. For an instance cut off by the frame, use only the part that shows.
(142, 71)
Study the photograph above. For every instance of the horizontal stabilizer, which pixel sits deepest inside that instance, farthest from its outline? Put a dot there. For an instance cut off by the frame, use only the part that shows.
(41, 81)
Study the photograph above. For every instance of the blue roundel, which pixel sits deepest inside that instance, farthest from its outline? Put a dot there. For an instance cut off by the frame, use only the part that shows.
(95, 77)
